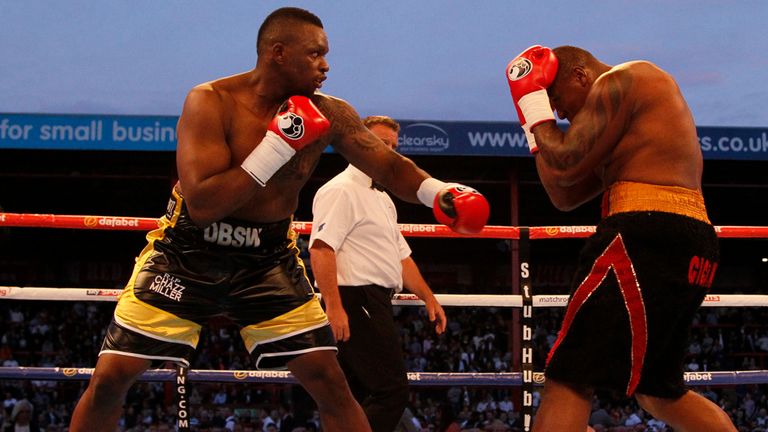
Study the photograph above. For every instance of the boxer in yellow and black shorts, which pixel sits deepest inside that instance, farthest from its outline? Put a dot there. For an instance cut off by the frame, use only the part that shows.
(246, 146)
(654, 256)
(249, 273)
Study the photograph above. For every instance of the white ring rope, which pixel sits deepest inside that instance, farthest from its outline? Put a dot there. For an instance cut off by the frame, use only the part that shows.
(483, 300)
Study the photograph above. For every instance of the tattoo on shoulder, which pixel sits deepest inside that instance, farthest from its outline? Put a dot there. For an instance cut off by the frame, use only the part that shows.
(603, 111)
(346, 125)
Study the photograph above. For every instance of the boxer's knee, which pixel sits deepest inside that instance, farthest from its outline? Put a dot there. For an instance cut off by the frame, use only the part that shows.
(320, 374)
(113, 377)
(106, 390)
(317, 368)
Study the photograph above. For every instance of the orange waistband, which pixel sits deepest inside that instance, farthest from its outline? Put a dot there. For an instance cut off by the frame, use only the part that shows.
(624, 197)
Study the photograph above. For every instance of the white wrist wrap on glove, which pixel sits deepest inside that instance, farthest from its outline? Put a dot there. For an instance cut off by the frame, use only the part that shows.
(536, 108)
(531, 139)
(264, 161)
(429, 189)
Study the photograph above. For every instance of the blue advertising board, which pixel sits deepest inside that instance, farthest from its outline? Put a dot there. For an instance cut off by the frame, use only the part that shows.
(429, 138)
(87, 132)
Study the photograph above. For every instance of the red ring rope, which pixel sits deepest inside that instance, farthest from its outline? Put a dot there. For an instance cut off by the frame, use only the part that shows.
(122, 223)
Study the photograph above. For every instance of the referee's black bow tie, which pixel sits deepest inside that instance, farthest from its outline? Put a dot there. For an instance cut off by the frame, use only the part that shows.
(376, 186)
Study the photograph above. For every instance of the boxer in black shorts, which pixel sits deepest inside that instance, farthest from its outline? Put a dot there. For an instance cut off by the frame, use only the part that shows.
(655, 262)
(645, 272)
(187, 275)
(247, 145)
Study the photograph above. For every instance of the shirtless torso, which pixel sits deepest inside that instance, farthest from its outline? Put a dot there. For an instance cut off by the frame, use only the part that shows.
(223, 120)
(634, 125)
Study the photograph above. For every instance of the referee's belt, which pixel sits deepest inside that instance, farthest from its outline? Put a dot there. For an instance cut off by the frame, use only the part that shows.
(390, 292)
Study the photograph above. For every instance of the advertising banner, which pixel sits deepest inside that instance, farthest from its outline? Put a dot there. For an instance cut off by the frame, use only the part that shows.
(424, 138)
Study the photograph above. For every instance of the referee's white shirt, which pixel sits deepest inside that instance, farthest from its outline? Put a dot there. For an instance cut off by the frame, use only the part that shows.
(360, 224)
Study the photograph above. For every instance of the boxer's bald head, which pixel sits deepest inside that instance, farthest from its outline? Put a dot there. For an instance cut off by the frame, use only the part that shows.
(577, 71)
(571, 56)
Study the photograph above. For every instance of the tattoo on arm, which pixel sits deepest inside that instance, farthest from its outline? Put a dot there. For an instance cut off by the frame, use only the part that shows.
(601, 110)
(347, 126)
(300, 166)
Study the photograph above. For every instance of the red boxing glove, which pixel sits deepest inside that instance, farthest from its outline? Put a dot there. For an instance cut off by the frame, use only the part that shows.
(529, 75)
(461, 208)
(300, 124)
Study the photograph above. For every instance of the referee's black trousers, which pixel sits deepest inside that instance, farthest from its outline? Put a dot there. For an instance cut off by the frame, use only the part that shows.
(372, 358)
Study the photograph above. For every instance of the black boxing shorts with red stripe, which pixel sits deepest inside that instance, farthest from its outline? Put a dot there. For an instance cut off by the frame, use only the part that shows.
(250, 273)
(641, 278)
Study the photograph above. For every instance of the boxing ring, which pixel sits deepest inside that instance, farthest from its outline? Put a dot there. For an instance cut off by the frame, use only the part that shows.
(527, 301)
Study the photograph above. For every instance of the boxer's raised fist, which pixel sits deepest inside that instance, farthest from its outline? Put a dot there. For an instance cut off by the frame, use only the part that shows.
(300, 124)
(462, 208)
(529, 75)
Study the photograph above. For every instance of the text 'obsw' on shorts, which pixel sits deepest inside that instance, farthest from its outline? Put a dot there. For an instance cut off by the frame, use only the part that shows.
(249, 273)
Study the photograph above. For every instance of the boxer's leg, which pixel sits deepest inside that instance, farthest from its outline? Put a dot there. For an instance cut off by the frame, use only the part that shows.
(320, 374)
(563, 408)
(689, 413)
(101, 405)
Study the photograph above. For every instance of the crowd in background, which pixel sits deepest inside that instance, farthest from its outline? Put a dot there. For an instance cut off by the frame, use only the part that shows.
(69, 334)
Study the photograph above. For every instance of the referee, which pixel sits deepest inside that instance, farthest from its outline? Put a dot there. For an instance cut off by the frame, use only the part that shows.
(360, 260)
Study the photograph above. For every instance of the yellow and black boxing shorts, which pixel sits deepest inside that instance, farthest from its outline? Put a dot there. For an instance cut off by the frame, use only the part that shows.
(250, 273)
(640, 280)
